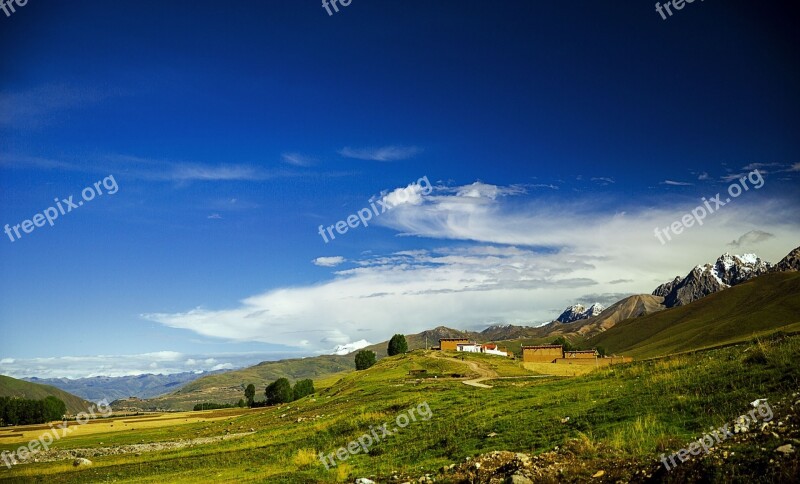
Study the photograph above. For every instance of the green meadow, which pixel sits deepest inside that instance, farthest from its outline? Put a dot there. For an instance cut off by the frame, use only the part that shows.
(631, 412)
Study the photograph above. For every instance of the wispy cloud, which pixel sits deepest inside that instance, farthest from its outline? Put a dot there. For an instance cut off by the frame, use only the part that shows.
(703, 176)
(43, 105)
(151, 169)
(676, 183)
(386, 153)
(603, 180)
(159, 363)
(296, 159)
(751, 238)
(328, 261)
(215, 216)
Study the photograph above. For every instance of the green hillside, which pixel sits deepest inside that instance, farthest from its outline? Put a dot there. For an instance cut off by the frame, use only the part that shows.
(766, 303)
(11, 387)
(616, 420)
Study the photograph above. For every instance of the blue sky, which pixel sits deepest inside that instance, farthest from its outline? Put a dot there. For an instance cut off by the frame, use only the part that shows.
(555, 136)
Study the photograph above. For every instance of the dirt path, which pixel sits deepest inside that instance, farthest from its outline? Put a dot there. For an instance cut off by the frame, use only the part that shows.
(485, 373)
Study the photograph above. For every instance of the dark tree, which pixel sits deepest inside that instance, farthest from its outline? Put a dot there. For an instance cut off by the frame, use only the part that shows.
(250, 394)
(563, 342)
(397, 345)
(303, 388)
(365, 359)
(601, 351)
(279, 391)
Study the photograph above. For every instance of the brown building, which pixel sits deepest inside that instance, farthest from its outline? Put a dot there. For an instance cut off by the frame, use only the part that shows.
(542, 353)
(594, 361)
(451, 344)
(587, 354)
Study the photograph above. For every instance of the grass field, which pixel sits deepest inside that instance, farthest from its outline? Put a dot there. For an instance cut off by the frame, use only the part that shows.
(635, 410)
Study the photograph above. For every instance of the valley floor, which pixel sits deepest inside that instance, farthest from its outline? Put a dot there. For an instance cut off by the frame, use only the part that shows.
(608, 425)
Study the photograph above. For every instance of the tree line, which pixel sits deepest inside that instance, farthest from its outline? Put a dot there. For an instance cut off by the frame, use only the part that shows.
(281, 391)
(23, 411)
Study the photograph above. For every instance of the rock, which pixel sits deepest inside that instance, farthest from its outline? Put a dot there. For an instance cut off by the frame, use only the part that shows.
(599, 474)
(80, 462)
(364, 480)
(785, 449)
(477, 465)
(565, 420)
(518, 479)
(491, 434)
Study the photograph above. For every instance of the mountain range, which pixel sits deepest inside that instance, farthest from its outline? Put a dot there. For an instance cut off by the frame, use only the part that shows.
(732, 299)
(112, 388)
(577, 312)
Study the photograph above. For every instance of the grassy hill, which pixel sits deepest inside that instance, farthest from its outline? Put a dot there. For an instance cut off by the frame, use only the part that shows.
(11, 387)
(616, 420)
(636, 326)
(763, 304)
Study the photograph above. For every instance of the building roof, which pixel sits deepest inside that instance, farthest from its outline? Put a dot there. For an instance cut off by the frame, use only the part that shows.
(582, 351)
(542, 347)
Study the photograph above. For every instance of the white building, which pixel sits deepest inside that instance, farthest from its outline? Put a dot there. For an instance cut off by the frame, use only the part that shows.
(469, 347)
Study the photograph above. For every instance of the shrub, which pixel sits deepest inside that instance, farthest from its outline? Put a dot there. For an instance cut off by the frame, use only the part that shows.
(365, 359)
(250, 394)
(303, 388)
(397, 345)
(279, 391)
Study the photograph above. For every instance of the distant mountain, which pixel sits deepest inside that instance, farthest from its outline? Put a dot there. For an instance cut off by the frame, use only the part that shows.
(578, 312)
(665, 289)
(500, 332)
(11, 387)
(350, 347)
(761, 305)
(630, 307)
(790, 263)
(113, 388)
(706, 279)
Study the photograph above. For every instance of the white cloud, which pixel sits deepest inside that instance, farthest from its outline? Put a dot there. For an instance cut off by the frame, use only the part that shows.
(328, 261)
(162, 362)
(703, 176)
(296, 159)
(517, 258)
(795, 167)
(386, 153)
(215, 216)
(676, 183)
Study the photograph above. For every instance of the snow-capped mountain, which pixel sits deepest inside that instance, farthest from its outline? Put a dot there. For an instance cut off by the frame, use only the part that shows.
(578, 311)
(706, 279)
(790, 263)
(350, 347)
